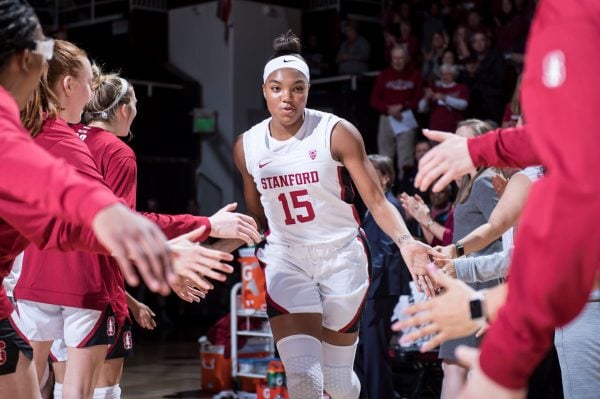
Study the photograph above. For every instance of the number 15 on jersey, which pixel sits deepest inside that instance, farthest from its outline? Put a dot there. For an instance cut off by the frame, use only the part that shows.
(300, 205)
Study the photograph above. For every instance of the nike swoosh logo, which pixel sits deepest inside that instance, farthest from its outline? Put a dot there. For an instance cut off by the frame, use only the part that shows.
(262, 165)
(284, 60)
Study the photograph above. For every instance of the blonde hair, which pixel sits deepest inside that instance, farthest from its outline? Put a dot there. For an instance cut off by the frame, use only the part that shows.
(478, 127)
(106, 96)
(44, 102)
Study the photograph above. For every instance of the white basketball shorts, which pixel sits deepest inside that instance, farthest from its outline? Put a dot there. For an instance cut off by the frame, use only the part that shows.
(79, 327)
(330, 279)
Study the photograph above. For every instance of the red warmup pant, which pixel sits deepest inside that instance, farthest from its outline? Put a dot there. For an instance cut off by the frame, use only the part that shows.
(557, 251)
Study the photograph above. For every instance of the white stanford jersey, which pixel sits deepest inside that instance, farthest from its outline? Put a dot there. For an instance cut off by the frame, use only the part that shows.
(306, 194)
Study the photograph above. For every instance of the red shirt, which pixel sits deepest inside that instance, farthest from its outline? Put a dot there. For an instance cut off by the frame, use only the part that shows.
(74, 278)
(116, 162)
(27, 172)
(393, 87)
(444, 117)
(557, 256)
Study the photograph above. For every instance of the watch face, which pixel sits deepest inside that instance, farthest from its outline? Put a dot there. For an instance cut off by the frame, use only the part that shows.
(476, 307)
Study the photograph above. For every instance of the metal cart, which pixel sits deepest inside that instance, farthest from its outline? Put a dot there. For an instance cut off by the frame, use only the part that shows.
(237, 311)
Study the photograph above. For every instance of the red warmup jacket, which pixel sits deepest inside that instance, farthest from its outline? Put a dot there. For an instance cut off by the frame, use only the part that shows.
(393, 87)
(116, 161)
(91, 281)
(26, 201)
(557, 255)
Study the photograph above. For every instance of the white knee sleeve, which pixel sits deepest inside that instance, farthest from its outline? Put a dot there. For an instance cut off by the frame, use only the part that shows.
(57, 390)
(302, 356)
(339, 378)
(112, 392)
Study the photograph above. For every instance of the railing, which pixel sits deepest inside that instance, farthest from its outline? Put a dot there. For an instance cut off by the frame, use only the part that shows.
(320, 5)
(150, 85)
(70, 15)
(149, 5)
(353, 79)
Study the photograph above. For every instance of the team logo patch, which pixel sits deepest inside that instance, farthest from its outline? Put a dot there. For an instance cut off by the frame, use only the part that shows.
(110, 326)
(2, 353)
(312, 154)
(127, 340)
(553, 68)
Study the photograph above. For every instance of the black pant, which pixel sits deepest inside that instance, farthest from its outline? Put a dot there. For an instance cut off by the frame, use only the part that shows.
(546, 380)
(372, 363)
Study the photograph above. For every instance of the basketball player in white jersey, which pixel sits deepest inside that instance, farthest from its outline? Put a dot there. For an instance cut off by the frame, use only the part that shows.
(297, 168)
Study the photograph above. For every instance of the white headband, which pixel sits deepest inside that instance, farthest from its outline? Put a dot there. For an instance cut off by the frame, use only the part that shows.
(286, 61)
(124, 86)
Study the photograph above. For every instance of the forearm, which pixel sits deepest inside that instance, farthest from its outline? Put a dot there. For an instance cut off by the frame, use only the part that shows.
(482, 268)
(494, 300)
(427, 234)
(481, 237)
(390, 221)
(225, 245)
(131, 301)
(176, 225)
(457, 103)
(436, 229)
(510, 147)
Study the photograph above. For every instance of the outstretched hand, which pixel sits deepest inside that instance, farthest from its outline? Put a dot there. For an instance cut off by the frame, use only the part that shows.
(447, 315)
(188, 291)
(143, 315)
(194, 262)
(450, 160)
(228, 224)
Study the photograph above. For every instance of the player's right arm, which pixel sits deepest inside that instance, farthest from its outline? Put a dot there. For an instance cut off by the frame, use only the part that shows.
(456, 156)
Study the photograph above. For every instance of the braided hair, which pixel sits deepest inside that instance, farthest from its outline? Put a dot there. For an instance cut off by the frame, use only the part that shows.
(17, 24)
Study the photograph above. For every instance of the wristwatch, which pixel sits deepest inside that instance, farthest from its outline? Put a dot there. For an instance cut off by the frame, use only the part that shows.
(477, 309)
(460, 249)
(430, 223)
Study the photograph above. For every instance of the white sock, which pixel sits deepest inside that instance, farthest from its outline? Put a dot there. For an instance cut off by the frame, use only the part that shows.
(302, 357)
(57, 390)
(111, 392)
(340, 380)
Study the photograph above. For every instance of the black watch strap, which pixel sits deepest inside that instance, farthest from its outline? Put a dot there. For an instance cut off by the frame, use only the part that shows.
(460, 250)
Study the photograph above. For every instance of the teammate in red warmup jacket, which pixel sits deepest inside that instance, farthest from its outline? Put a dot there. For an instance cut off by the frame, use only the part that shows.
(26, 169)
(556, 259)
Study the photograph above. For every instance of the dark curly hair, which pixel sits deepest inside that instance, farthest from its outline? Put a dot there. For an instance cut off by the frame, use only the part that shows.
(287, 44)
(17, 24)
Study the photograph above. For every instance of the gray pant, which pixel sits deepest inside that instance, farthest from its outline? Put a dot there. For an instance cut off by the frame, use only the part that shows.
(401, 146)
(578, 347)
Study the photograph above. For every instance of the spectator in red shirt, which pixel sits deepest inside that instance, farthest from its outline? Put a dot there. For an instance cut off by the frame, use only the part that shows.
(446, 99)
(397, 89)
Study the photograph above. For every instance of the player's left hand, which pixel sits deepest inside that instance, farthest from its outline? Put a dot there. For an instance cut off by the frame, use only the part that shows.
(478, 384)
(416, 256)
